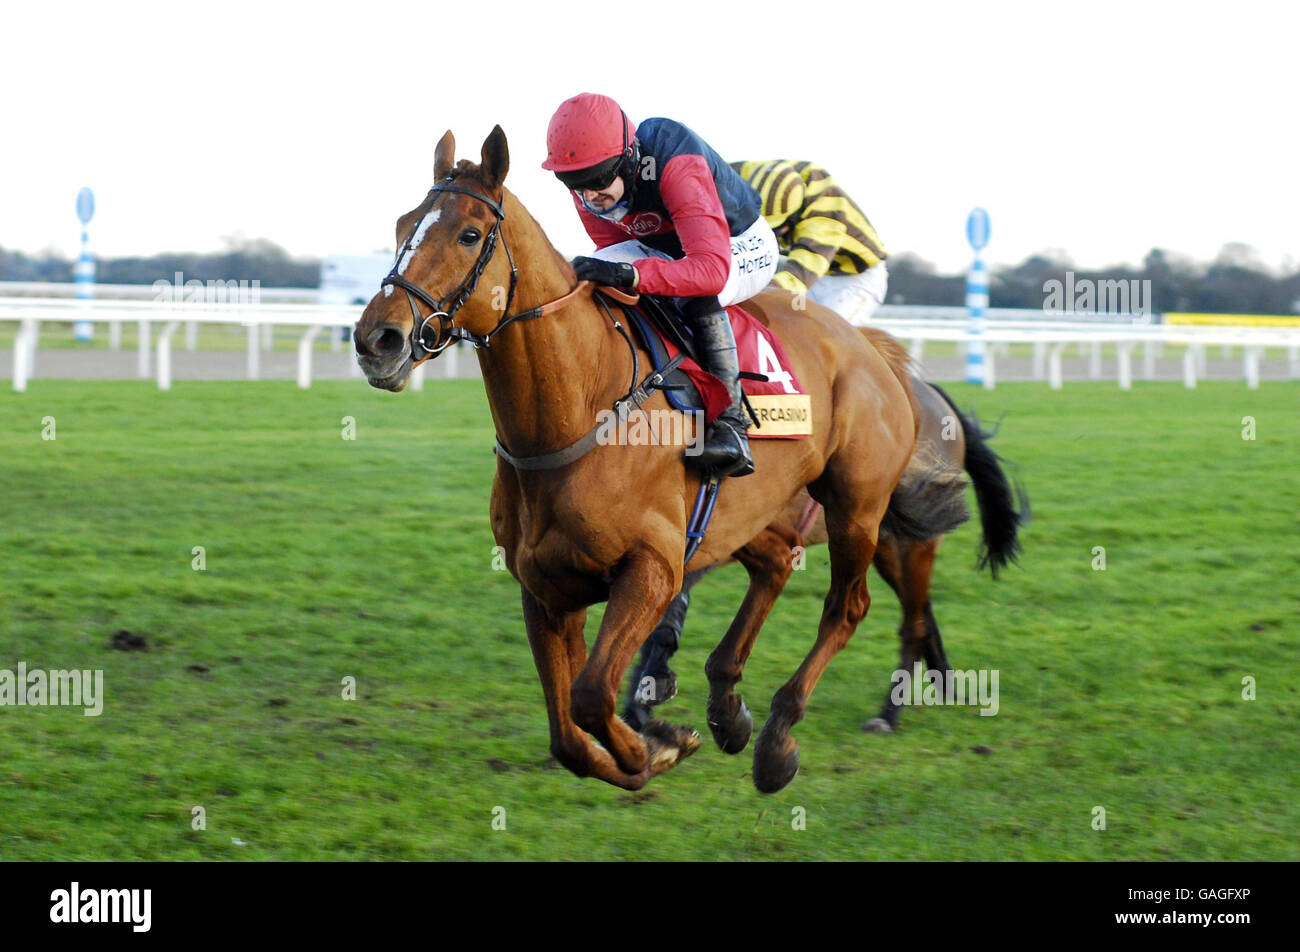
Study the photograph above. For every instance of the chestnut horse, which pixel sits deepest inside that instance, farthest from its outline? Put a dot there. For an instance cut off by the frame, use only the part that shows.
(581, 523)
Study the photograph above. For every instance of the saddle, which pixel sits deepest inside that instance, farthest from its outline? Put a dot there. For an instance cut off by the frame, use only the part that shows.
(776, 402)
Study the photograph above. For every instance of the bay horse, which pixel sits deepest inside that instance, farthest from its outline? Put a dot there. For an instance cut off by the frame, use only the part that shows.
(959, 443)
(581, 523)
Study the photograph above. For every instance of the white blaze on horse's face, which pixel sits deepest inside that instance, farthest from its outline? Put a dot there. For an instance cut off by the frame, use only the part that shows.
(430, 219)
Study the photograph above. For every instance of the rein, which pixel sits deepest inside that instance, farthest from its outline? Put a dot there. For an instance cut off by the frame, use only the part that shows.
(448, 332)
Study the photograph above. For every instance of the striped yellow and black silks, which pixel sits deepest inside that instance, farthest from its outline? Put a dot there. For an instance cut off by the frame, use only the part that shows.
(820, 229)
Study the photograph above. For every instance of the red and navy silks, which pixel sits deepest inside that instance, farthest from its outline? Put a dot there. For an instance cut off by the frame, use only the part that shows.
(688, 203)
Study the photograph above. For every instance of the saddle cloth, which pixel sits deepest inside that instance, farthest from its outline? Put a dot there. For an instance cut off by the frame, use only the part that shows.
(782, 409)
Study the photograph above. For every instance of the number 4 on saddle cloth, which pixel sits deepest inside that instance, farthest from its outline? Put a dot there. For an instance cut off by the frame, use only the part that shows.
(780, 409)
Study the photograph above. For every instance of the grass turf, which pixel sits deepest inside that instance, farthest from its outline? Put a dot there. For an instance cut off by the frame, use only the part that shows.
(372, 559)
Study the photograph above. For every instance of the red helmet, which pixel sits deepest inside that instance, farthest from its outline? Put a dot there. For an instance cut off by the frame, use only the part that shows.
(585, 131)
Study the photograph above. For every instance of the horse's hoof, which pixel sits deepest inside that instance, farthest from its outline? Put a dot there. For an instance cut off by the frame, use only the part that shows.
(690, 743)
(775, 763)
(877, 725)
(655, 689)
(732, 732)
(669, 744)
(665, 688)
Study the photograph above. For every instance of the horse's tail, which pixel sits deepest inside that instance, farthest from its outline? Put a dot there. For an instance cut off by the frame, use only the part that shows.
(1004, 506)
(930, 499)
(928, 502)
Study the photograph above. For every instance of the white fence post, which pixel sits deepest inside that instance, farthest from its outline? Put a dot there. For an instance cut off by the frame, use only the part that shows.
(165, 355)
(1250, 357)
(254, 352)
(142, 350)
(24, 354)
(1123, 354)
(1054, 376)
(304, 356)
(1189, 367)
(451, 360)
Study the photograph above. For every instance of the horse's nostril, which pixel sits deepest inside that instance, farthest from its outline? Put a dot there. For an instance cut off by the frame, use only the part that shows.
(384, 341)
(390, 341)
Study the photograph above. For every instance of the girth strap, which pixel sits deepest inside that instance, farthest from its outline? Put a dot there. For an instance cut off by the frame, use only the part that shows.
(589, 440)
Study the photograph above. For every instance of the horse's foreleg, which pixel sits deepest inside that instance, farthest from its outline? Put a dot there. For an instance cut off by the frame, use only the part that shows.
(554, 639)
(852, 544)
(638, 596)
(769, 559)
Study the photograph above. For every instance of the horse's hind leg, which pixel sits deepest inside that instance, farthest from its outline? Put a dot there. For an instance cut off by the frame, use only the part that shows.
(852, 543)
(652, 681)
(935, 657)
(769, 559)
(908, 573)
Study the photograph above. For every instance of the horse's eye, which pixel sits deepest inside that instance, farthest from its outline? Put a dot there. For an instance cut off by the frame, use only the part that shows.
(469, 236)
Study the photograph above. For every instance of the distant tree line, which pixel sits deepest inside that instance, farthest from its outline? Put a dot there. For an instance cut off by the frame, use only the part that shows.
(242, 260)
(1236, 281)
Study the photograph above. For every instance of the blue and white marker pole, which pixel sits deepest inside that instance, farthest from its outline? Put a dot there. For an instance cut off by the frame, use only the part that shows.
(84, 272)
(977, 296)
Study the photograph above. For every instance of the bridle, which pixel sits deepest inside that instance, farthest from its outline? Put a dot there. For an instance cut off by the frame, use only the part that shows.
(444, 310)
(449, 332)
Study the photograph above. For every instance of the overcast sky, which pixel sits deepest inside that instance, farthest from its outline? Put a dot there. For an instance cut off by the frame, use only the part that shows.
(1101, 129)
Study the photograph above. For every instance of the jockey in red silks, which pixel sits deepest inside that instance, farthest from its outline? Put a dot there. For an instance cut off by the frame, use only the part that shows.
(669, 217)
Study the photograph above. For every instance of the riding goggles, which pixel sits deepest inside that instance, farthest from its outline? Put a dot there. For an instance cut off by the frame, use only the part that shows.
(596, 179)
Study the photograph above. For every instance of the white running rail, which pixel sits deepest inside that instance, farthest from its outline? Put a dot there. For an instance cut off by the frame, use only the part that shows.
(1050, 335)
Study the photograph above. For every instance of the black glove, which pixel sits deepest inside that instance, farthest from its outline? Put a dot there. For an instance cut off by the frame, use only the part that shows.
(611, 274)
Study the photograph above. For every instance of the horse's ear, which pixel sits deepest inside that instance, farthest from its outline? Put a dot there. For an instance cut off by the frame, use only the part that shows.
(496, 158)
(444, 157)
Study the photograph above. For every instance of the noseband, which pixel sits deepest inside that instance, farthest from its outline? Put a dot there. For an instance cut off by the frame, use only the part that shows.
(444, 311)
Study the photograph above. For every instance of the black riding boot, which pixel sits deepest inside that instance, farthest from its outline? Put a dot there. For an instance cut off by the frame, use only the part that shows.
(726, 445)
